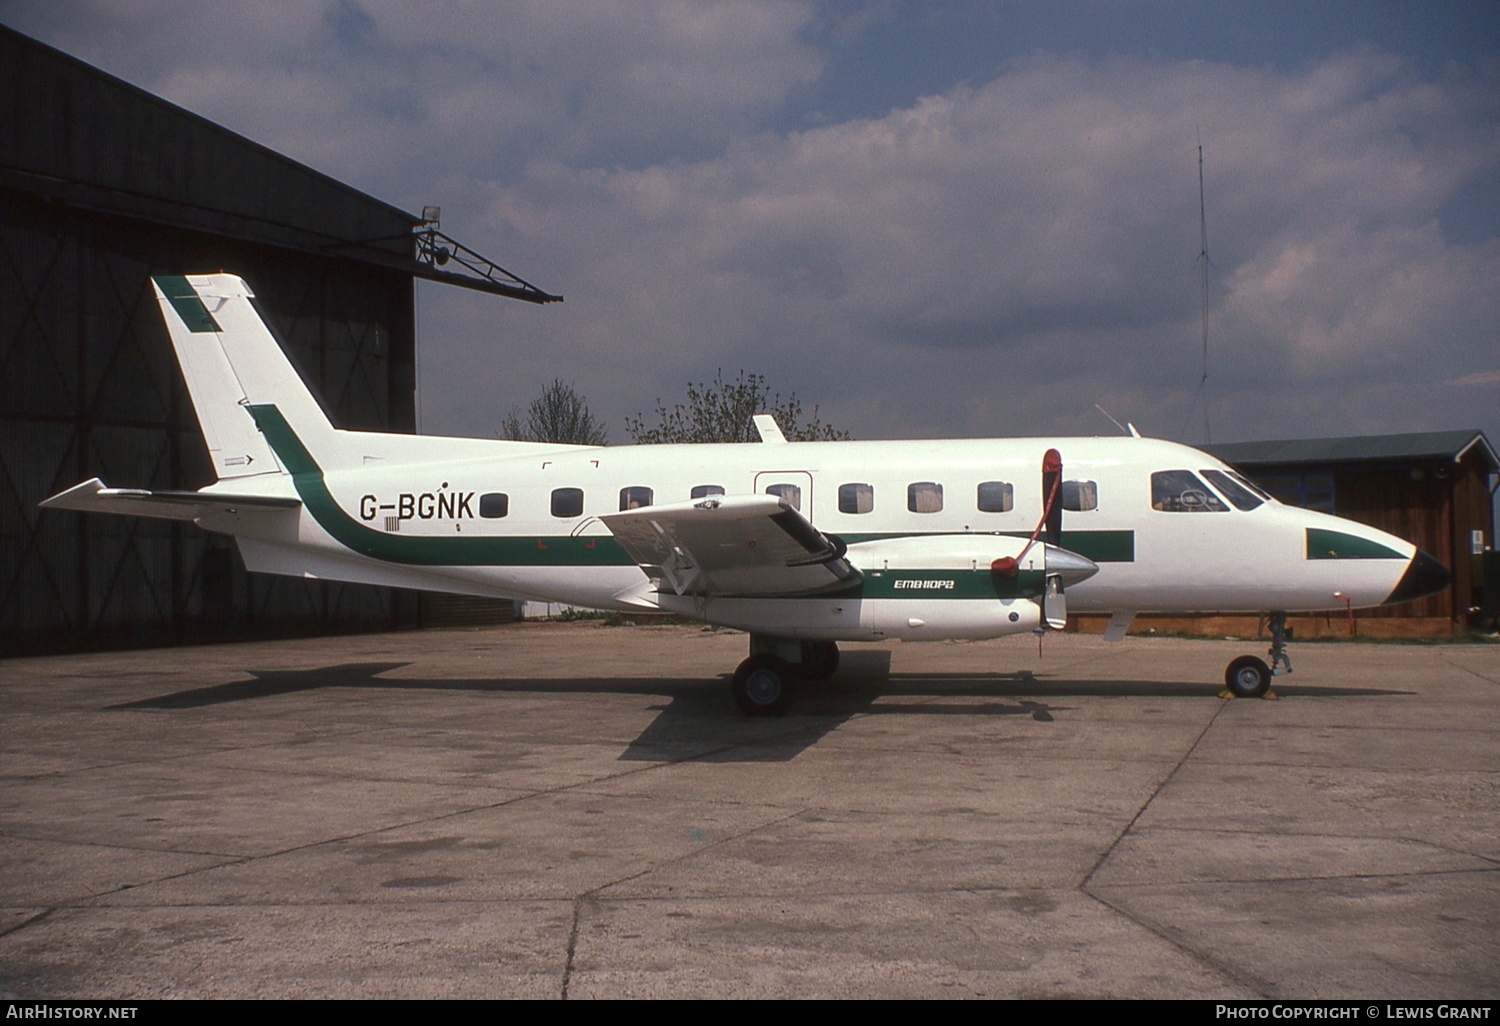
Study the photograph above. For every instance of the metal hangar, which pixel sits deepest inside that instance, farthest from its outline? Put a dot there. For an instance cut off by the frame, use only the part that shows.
(101, 186)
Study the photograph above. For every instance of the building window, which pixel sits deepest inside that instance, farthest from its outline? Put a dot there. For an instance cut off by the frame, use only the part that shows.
(996, 497)
(924, 497)
(1310, 491)
(494, 505)
(635, 498)
(1080, 495)
(567, 502)
(856, 498)
(704, 491)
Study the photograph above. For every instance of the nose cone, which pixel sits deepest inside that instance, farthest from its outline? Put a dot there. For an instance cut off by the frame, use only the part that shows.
(1424, 576)
(1070, 567)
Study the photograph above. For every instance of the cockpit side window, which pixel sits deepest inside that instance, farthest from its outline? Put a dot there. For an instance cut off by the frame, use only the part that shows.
(1242, 497)
(1180, 491)
(1257, 489)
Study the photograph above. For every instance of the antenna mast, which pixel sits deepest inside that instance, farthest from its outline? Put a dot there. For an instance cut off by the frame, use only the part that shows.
(1203, 268)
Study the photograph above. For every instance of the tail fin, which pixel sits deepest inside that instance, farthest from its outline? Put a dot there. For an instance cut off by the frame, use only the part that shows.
(231, 362)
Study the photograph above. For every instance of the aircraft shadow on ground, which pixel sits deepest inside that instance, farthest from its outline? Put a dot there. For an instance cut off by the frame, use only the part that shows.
(699, 721)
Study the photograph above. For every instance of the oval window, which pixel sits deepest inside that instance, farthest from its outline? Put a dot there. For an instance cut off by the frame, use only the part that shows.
(567, 502)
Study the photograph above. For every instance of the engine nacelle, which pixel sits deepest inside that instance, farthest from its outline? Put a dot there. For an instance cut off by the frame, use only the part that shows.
(915, 588)
(1003, 554)
(857, 618)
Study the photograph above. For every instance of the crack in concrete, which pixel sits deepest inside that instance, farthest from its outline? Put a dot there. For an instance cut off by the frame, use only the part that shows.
(43, 914)
(1172, 936)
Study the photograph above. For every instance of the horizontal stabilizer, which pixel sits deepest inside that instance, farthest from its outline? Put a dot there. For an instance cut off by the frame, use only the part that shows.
(743, 545)
(95, 497)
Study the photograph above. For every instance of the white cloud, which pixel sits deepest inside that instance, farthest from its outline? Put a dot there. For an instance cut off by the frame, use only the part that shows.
(1478, 378)
(1000, 258)
(388, 93)
(991, 258)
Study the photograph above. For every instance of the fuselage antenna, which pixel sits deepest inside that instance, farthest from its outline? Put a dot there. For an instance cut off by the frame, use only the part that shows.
(1123, 429)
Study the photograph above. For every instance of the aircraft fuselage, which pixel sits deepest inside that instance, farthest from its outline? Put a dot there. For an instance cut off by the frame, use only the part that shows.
(527, 526)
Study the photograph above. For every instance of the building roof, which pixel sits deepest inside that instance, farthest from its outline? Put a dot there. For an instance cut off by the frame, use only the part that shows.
(1411, 447)
(72, 134)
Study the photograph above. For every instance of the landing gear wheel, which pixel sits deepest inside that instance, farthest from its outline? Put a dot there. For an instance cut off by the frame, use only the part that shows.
(820, 659)
(1248, 677)
(764, 685)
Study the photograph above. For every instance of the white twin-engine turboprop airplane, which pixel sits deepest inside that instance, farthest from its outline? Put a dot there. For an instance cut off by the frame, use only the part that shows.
(802, 544)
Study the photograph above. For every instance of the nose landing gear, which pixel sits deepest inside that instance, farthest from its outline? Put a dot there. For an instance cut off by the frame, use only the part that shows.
(1249, 676)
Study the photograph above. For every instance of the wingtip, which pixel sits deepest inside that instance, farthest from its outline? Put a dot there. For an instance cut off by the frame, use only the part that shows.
(65, 498)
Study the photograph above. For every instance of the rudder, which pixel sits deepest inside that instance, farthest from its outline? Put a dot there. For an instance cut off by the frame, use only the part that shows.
(231, 361)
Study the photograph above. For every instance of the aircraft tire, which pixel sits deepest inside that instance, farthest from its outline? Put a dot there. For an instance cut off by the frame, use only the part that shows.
(820, 659)
(1248, 677)
(764, 685)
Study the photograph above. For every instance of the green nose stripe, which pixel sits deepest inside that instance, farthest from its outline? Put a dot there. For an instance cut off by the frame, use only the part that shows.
(1323, 544)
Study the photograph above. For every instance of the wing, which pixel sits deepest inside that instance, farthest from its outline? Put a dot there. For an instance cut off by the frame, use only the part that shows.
(744, 545)
(95, 497)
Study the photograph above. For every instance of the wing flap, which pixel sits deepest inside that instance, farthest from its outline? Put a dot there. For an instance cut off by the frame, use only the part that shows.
(744, 545)
(94, 496)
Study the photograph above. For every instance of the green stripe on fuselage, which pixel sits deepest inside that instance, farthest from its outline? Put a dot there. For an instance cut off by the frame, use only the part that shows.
(1100, 546)
(185, 301)
(562, 550)
(307, 478)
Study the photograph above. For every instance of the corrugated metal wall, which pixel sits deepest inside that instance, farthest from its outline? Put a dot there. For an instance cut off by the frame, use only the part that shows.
(102, 186)
(105, 143)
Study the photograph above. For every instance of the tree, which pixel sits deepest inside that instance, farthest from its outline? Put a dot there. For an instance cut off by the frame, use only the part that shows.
(559, 414)
(720, 411)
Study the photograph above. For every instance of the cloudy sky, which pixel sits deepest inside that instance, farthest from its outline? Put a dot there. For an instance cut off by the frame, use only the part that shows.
(928, 219)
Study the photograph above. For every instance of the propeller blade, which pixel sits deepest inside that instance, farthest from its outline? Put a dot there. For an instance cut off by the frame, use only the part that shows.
(1052, 495)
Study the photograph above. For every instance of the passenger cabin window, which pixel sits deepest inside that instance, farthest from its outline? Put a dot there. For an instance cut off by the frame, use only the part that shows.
(1180, 491)
(856, 498)
(996, 497)
(1242, 497)
(567, 502)
(634, 498)
(494, 505)
(790, 492)
(1079, 495)
(704, 491)
(924, 497)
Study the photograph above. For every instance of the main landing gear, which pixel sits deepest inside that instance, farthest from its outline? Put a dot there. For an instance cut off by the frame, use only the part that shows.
(766, 684)
(1249, 676)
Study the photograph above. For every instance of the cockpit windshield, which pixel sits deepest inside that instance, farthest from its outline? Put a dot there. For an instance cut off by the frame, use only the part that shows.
(1257, 489)
(1180, 491)
(1233, 490)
